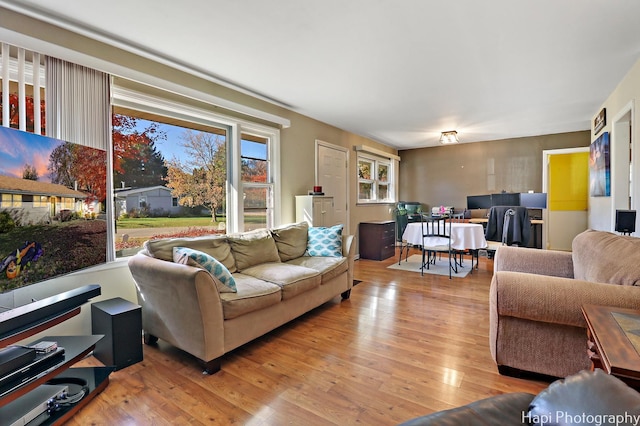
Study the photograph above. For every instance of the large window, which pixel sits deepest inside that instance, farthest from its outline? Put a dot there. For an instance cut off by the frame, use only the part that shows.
(196, 172)
(376, 179)
(169, 178)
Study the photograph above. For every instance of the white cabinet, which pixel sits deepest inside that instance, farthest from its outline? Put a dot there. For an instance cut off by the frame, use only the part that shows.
(317, 210)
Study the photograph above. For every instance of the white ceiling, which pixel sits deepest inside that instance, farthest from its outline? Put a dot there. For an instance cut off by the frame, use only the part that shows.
(398, 72)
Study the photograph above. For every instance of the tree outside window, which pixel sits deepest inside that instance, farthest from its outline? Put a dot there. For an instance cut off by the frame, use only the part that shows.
(14, 112)
(200, 179)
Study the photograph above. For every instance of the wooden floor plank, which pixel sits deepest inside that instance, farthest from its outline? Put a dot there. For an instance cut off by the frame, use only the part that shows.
(402, 346)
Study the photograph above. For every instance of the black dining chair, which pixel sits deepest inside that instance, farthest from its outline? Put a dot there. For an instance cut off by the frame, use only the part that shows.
(436, 237)
(459, 253)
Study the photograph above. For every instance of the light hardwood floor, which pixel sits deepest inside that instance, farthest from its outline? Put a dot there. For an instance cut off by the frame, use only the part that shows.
(402, 346)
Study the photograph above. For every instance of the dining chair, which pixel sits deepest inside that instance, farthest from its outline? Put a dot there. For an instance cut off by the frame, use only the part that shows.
(436, 237)
(402, 219)
(459, 253)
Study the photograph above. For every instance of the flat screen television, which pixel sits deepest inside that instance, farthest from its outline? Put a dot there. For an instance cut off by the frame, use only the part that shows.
(52, 195)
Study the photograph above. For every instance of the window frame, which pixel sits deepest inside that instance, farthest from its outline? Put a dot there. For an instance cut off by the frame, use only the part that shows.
(268, 185)
(374, 181)
(40, 201)
(166, 107)
(11, 201)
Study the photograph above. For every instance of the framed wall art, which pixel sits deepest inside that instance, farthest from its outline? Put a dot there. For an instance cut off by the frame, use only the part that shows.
(600, 121)
(600, 167)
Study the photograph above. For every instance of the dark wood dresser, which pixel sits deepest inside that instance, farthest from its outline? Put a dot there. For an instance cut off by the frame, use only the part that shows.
(377, 240)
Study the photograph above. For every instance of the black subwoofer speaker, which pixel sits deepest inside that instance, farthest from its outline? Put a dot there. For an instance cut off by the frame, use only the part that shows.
(121, 323)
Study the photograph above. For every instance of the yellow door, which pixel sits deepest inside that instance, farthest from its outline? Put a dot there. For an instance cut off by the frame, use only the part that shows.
(568, 196)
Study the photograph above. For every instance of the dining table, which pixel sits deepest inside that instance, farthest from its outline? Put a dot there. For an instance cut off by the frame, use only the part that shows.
(464, 237)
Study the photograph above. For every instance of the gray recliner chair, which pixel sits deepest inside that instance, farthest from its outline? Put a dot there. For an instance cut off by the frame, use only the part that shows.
(588, 397)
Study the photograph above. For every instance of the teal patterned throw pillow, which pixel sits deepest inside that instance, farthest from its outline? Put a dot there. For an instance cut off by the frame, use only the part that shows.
(325, 241)
(187, 256)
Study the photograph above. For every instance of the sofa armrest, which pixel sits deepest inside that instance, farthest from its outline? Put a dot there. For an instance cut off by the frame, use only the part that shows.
(554, 299)
(534, 261)
(180, 304)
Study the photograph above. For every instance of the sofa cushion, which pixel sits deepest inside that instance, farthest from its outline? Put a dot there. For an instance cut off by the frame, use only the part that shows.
(329, 267)
(291, 240)
(253, 294)
(214, 245)
(588, 397)
(604, 257)
(187, 256)
(325, 241)
(253, 248)
(292, 279)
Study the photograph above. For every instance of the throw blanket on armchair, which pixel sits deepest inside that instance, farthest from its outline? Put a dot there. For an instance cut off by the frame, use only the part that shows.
(519, 227)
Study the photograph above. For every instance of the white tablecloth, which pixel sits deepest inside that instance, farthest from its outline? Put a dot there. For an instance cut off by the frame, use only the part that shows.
(464, 236)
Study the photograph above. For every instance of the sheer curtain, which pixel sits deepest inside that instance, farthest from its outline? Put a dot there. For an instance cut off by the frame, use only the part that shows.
(78, 110)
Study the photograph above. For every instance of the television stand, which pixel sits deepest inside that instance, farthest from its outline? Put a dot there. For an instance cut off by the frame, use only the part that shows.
(76, 348)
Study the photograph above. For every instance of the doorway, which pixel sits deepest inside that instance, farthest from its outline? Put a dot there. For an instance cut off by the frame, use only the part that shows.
(565, 179)
(622, 162)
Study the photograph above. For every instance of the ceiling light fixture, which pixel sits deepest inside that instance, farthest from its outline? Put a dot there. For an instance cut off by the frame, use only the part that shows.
(449, 137)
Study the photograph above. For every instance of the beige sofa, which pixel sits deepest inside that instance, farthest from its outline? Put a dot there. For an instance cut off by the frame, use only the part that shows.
(536, 323)
(275, 278)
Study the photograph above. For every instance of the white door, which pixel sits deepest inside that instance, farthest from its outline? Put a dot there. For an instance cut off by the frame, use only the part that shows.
(331, 175)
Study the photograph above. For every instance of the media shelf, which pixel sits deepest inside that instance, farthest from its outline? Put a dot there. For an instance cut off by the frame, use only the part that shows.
(54, 311)
(97, 379)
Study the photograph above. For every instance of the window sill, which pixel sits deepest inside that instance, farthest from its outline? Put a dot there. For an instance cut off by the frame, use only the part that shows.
(375, 203)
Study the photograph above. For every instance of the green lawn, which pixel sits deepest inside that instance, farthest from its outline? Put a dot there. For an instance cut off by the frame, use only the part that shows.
(163, 222)
(175, 222)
